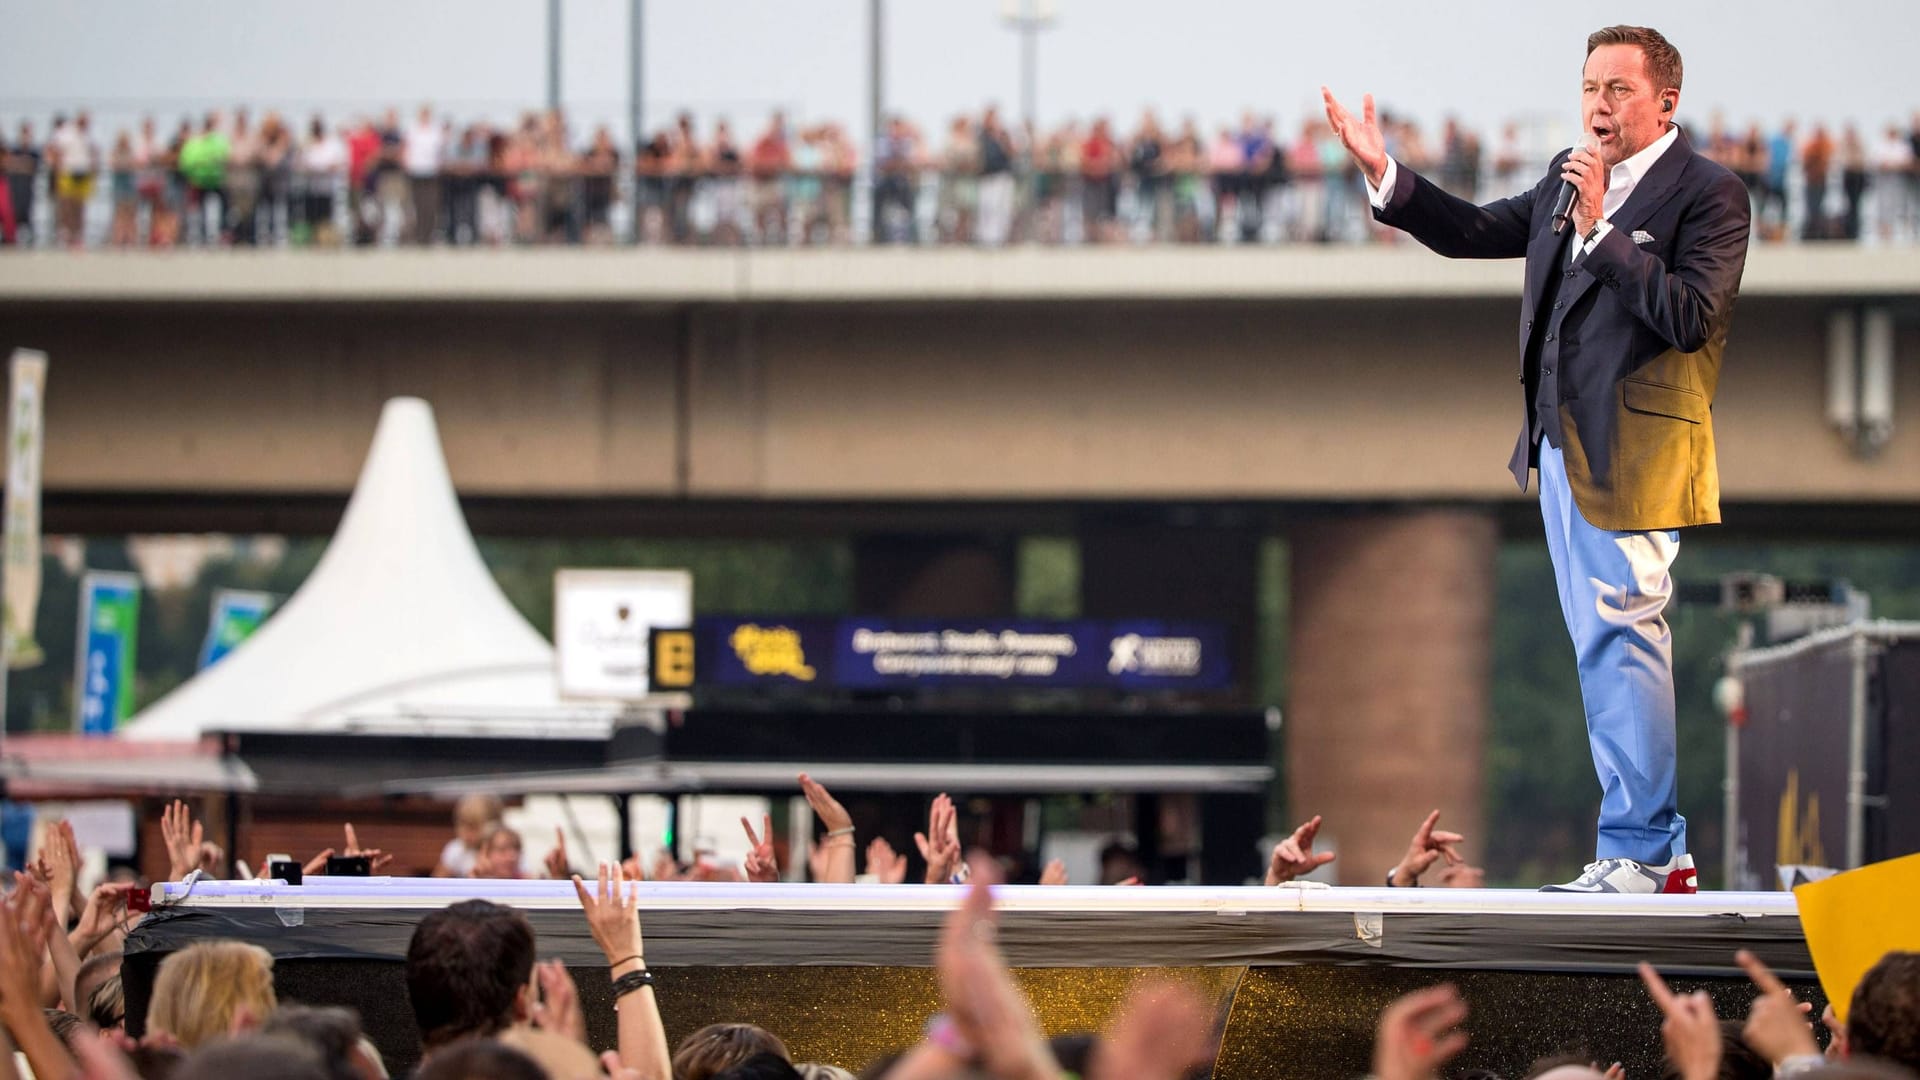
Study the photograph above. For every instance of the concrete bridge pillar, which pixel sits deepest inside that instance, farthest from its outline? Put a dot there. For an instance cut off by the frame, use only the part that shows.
(1392, 618)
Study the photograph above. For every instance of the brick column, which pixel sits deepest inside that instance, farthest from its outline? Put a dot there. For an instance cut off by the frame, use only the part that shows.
(1392, 618)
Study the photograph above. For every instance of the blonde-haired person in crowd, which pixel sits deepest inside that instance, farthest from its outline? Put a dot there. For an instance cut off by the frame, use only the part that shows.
(501, 855)
(473, 817)
(210, 990)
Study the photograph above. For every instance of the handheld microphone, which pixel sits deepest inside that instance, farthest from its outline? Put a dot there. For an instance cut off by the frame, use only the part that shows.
(1563, 202)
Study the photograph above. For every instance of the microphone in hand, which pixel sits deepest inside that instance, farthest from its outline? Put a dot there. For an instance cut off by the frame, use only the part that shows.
(1563, 202)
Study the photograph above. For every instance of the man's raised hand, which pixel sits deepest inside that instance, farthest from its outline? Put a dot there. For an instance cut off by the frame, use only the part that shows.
(1362, 137)
(1428, 846)
(1295, 855)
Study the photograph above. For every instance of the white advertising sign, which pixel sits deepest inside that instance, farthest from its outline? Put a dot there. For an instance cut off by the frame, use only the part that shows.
(601, 619)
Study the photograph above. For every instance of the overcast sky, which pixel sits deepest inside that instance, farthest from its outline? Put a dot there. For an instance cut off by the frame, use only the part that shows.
(1482, 60)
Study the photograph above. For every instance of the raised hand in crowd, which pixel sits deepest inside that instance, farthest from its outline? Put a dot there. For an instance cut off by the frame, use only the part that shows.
(316, 866)
(1419, 1033)
(556, 860)
(761, 864)
(1163, 1031)
(1776, 1027)
(665, 868)
(1837, 1032)
(887, 866)
(988, 1013)
(1691, 1031)
(1295, 856)
(187, 846)
(23, 928)
(834, 860)
(1428, 846)
(50, 938)
(102, 919)
(613, 917)
(940, 844)
(377, 859)
(558, 1007)
(1054, 873)
(60, 854)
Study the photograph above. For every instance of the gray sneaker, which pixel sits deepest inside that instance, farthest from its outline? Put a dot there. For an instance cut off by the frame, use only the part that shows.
(1616, 876)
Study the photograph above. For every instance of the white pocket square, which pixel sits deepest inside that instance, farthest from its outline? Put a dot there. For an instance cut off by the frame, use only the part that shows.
(1642, 237)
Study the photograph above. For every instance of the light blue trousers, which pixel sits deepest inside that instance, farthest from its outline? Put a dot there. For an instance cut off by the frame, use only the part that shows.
(1614, 587)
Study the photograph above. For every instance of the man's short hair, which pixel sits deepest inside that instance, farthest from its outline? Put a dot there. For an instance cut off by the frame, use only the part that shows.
(66, 1025)
(1663, 60)
(465, 967)
(1884, 1019)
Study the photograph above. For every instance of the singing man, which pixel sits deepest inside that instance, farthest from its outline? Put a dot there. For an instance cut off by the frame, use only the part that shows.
(1622, 324)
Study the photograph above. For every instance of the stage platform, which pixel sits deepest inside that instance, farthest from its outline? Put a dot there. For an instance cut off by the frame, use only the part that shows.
(844, 972)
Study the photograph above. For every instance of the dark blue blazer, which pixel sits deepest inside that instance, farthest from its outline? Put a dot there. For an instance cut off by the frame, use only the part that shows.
(1637, 331)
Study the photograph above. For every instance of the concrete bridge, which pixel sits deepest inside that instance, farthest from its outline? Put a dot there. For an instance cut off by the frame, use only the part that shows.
(1170, 407)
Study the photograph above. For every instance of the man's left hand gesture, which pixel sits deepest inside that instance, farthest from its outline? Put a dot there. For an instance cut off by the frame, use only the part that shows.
(1588, 175)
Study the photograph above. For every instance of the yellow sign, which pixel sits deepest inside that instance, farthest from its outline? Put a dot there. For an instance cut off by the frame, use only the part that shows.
(1851, 920)
(772, 650)
(672, 659)
(1799, 840)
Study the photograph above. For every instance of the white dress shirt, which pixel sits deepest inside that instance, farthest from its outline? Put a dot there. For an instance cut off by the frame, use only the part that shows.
(1621, 180)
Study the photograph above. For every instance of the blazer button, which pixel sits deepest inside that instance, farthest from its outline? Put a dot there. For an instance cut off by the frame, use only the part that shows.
(1546, 371)
(1558, 304)
(1549, 337)
(1570, 273)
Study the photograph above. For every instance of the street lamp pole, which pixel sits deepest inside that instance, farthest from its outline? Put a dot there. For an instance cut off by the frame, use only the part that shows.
(636, 99)
(1028, 18)
(553, 55)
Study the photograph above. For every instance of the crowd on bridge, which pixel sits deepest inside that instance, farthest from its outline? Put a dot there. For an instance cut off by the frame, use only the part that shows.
(234, 178)
(485, 1005)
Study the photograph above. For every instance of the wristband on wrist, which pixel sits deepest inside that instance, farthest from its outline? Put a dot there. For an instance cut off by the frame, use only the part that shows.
(624, 959)
(845, 830)
(1412, 882)
(631, 981)
(945, 1034)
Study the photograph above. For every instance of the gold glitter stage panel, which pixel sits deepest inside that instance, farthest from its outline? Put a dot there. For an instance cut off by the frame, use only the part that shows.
(1317, 1021)
(851, 1016)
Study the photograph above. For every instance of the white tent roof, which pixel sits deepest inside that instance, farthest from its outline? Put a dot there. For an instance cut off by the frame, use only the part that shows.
(401, 629)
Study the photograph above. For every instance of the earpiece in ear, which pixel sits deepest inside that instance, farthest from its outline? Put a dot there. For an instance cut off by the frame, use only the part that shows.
(1666, 106)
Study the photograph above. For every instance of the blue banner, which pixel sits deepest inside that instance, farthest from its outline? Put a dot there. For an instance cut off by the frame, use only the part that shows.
(109, 633)
(234, 617)
(886, 654)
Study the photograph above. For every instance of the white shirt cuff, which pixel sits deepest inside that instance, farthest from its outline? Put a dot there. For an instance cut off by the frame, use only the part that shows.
(1600, 232)
(1379, 196)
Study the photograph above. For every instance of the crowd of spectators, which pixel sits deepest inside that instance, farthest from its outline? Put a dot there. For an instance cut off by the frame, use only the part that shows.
(486, 1006)
(231, 179)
